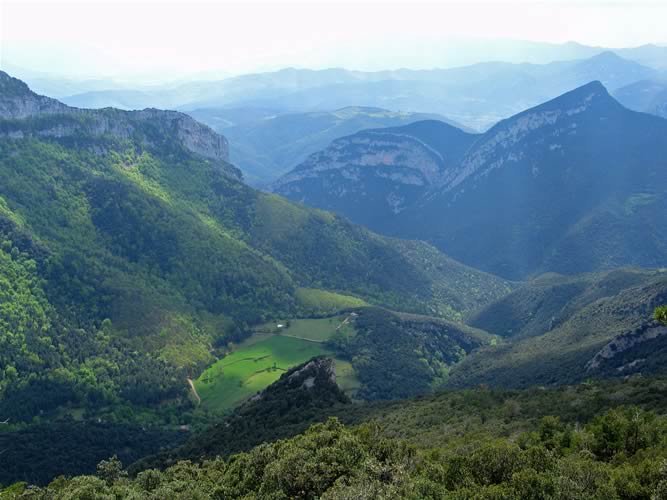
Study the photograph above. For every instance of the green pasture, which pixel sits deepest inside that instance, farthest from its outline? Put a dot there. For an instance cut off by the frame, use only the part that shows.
(263, 358)
(319, 330)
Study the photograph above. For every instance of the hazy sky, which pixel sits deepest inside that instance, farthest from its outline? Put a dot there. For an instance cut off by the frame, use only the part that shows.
(150, 37)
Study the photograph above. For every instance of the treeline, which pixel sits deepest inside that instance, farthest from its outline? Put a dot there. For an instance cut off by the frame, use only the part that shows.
(620, 454)
(38, 453)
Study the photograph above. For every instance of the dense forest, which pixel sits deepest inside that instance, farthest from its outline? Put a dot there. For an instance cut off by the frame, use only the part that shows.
(617, 454)
(133, 257)
(399, 356)
(132, 253)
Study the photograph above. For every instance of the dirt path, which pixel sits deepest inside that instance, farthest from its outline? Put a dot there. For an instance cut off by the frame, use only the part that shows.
(345, 321)
(194, 390)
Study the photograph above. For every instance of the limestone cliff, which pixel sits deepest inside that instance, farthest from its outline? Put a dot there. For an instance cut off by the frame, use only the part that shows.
(29, 114)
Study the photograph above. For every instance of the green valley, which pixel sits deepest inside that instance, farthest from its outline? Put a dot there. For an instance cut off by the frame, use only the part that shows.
(136, 253)
(260, 360)
(168, 331)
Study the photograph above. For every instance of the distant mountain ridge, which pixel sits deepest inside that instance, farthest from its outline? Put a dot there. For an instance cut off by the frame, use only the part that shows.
(558, 187)
(377, 172)
(649, 96)
(476, 95)
(272, 144)
(19, 102)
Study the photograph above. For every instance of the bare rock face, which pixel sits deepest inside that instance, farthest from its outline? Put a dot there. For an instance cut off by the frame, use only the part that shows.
(18, 103)
(409, 161)
(377, 173)
(317, 373)
(625, 342)
(551, 121)
(196, 137)
(318, 369)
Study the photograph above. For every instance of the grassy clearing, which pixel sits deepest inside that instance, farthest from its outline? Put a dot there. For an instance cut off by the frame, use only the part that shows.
(319, 330)
(346, 377)
(263, 358)
(324, 302)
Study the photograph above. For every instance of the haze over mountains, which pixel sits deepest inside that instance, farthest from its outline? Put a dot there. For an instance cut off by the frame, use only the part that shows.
(649, 96)
(475, 95)
(274, 143)
(446, 234)
(559, 187)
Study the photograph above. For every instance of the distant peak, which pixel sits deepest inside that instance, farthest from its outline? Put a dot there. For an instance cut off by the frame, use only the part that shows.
(586, 95)
(608, 55)
(595, 85)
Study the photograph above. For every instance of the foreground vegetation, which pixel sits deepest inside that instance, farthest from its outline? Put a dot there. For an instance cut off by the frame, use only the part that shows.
(619, 454)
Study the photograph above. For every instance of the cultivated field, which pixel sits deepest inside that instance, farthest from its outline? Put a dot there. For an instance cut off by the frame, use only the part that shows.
(264, 357)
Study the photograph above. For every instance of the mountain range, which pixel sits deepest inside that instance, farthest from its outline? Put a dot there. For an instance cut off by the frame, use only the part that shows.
(265, 145)
(156, 307)
(132, 230)
(476, 95)
(571, 185)
(372, 175)
(276, 119)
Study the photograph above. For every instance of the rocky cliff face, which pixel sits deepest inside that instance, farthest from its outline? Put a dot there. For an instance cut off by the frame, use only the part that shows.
(317, 373)
(27, 113)
(409, 160)
(375, 173)
(548, 125)
(559, 187)
(624, 343)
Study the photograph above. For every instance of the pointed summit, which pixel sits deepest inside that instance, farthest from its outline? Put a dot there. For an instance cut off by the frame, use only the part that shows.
(591, 95)
(584, 106)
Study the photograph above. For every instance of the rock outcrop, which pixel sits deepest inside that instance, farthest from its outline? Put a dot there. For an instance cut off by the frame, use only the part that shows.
(27, 113)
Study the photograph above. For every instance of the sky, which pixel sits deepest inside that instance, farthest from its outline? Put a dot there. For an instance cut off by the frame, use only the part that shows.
(151, 39)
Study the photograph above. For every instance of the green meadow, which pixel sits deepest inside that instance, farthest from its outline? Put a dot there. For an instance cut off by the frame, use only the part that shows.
(317, 330)
(263, 358)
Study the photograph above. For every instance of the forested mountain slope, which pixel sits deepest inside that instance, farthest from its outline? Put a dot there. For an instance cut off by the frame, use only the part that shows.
(449, 418)
(270, 145)
(572, 329)
(578, 442)
(375, 174)
(572, 185)
(131, 247)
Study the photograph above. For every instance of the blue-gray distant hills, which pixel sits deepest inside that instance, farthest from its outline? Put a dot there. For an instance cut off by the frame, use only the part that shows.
(267, 144)
(476, 95)
(275, 120)
(649, 96)
(375, 174)
(575, 184)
